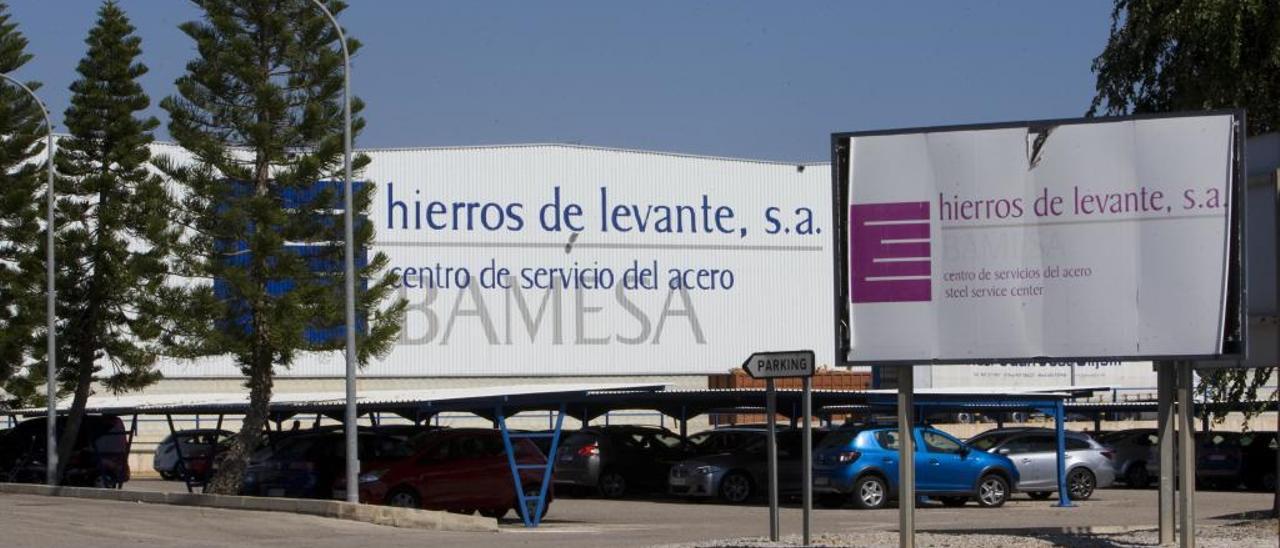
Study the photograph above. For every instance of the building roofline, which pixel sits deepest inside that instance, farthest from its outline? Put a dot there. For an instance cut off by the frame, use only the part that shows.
(575, 146)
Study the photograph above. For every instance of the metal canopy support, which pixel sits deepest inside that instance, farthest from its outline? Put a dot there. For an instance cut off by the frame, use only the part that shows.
(523, 499)
(1165, 380)
(182, 460)
(906, 459)
(1059, 430)
(1186, 455)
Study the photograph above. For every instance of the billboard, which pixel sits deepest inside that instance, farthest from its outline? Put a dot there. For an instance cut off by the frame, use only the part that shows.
(558, 260)
(1111, 239)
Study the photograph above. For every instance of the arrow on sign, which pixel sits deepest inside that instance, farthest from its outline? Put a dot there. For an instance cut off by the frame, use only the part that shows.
(778, 365)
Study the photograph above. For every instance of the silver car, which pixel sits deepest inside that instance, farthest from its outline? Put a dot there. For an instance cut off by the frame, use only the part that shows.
(1133, 449)
(1033, 451)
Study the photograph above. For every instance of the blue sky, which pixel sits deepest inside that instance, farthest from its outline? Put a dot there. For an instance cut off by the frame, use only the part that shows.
(767, 80)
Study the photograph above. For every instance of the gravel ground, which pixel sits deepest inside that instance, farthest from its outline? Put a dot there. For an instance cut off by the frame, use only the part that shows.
(1251, 533)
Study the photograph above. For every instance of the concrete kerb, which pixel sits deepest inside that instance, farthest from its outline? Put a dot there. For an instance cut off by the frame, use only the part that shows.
(379, 515)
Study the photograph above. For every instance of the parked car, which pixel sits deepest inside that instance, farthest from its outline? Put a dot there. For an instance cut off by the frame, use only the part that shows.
(304, 465)
(1034, 451)
(1258, 460)
(732, 464)
(1219, 460)
(614, 460)
(861, 465)
(457, 470)
(1133, 448)
(99, 458)
(543, 438)
(200, 449)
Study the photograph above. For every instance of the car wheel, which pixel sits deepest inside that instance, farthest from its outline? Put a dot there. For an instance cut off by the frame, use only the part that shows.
(735, 488)
(1080, 484)
(611, 485)
(531, 505)
(831, 500)
(1137, 476)
(404, 497)
(993, 491)
(105, 481)
(1040, 495)
(870, 493)
(953, 502)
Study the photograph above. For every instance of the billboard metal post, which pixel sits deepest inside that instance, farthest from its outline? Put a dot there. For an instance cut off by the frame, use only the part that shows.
(771, 418)
(806, 456)
(1186, 455)
(906, 458)
(1165, 380)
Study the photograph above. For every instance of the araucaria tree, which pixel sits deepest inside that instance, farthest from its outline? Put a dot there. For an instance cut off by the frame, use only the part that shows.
(113, 226)
(260, 110)
(22, 271)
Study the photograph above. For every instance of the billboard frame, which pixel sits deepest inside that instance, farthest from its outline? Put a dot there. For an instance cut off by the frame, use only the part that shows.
(1234, 328)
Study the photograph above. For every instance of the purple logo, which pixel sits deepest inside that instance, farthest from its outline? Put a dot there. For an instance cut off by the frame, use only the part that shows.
(889, 259)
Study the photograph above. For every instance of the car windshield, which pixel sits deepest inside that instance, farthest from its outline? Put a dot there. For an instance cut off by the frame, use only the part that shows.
(985, 442)
(838, 438)
(294, 448)
(1108, 437)
(706, 443)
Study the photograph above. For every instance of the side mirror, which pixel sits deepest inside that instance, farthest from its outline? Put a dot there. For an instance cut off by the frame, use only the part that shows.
(964, 452)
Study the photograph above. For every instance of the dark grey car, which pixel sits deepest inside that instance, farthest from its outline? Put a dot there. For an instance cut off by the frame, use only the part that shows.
(731, 463)
(616, 460)
(1034, 451)
(1133, 448)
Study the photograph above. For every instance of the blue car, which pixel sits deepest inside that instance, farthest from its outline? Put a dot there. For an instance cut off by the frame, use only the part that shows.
(860, 464)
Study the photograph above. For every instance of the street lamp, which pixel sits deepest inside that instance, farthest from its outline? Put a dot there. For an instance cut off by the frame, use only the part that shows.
(51, 392)
(353, 457)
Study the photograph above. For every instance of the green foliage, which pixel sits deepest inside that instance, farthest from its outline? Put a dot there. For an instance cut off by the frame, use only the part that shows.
(1187, 55)
(1180, 55)
(261, 112)
(260, 109)
(113, 218)
(22, 178)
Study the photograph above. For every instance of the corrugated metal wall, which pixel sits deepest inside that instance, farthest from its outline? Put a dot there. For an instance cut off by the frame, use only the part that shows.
(448, 214)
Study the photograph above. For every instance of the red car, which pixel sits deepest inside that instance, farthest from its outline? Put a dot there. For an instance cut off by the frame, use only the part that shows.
(458, 470)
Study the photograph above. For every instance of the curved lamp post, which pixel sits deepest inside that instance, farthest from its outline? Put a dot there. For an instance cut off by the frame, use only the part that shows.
(353, 457)
(51, 392)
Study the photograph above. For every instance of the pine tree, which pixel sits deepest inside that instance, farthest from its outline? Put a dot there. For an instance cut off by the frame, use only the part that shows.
(113, 226)
(22, 267)
(260, 110)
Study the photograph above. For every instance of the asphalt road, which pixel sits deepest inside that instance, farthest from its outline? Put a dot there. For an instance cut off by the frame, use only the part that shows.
(34, 521)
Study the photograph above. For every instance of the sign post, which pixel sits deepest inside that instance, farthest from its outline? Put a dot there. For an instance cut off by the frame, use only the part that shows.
(784, 365)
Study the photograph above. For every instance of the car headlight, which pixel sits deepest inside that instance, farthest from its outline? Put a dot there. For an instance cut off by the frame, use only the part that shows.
(704, 470)
(370, 477)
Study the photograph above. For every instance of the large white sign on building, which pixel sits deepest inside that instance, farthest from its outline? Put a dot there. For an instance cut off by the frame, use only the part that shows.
(569, 260)
(1056, 240)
